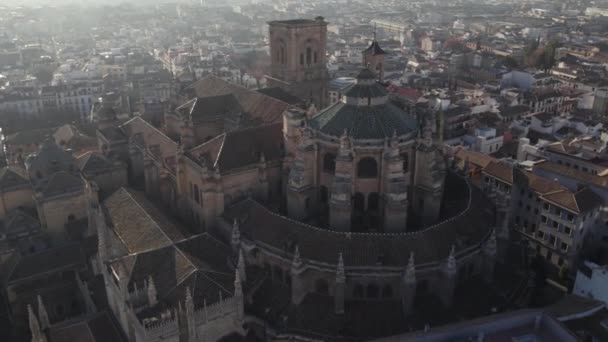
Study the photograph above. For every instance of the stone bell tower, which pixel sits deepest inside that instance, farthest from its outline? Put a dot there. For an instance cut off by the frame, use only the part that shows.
(298, 63)
(373, 59)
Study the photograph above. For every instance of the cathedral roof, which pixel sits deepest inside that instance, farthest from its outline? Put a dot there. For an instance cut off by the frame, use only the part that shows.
(259, 106)
(236, 149)
(50, 157)
(162, 249)
(139, 224)
(92, 161)
(201, 107)
(467, 224)
(374, 49)
(364, 122)
(62, 182)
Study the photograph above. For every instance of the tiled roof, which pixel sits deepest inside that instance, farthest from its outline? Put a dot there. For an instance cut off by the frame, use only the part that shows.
(360, 249)
(477, 158)
(236, 149)
(27, 137)
(50, 156)
(364, 122)
(579, 175)
(201, 107)
(62, 182)
(374, 49)
(139, 224)
(100, 327)
(199, 263)
(51, 260)
(259, 106)
(11, 177)
(92, 162)
(578, 202)
(19, 221)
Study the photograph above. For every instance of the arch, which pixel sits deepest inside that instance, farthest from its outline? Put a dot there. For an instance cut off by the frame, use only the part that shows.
(308, 55)
(373, 201)
(372, 291)
(359, 202)
(358, 291)
(367, 168)
(329, 163)
(387, 291)
(196, 194)
(321, 286)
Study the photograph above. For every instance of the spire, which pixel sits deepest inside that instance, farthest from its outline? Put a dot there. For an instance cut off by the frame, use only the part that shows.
(451, 262)
(240, 266)
(238, 288)
(190, 315)
(375, 31)
(152, 294)
(296, 262)
(37, 335)
(43, 315)
(340, 273)
(490, 246)
(189, 301)
(236, 235)
(410, 270)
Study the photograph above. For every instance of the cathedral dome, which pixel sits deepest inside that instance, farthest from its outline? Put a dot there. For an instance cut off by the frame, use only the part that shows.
(365, 113)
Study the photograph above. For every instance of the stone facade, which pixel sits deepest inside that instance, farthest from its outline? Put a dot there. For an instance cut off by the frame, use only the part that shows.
(298, 61)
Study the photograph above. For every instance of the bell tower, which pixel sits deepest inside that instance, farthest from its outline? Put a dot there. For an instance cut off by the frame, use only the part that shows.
(373, 59)
(298, 63)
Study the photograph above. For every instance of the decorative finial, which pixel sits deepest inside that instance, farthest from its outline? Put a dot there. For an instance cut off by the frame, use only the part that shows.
(42, 314)
(340, 272)
(410, 270)
(297, 262)
(238, 288)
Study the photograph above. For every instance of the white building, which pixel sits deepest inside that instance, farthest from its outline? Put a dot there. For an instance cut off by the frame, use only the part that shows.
(592, 282)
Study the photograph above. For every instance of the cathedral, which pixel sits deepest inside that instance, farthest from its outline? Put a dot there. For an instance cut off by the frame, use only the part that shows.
(246, 215)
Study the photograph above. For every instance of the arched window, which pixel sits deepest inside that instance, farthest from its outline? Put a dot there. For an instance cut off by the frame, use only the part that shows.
(282, 55)
(387, 291)
(359, 204)
(308, 56)
(372, 291)
(329, 162)
(316, 57)
(301, 59)
(358, 291)
(196, 194)
(373, 201)
(367, 168)
(321, 286)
